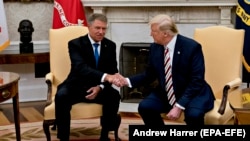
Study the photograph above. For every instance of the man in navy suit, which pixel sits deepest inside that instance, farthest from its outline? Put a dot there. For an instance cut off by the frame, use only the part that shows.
(193, 95)
(86, 81)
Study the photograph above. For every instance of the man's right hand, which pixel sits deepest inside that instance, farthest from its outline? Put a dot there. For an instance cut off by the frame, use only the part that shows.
(116, 79)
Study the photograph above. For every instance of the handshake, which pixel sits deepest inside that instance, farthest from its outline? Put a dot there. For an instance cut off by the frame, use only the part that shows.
(116, 79)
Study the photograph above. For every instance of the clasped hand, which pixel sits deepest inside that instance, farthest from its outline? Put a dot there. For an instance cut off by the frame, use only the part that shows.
(116, 79)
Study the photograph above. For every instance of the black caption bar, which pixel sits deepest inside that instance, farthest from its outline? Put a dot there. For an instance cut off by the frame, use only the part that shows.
(206, 133)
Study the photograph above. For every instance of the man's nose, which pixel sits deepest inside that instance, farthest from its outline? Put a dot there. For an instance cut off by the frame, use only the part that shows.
(102, 30)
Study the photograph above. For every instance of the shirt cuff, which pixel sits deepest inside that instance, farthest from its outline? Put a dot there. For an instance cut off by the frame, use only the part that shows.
(179, 106)
(104, 75)
(101, 85)
(129, 83)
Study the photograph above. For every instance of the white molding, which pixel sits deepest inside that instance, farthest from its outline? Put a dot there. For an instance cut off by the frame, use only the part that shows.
(39, 46)
(156, 3)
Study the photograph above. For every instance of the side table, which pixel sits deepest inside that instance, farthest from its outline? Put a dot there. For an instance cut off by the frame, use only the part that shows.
(17, 58)
(9, 89)
(40, 59)
(240, 103)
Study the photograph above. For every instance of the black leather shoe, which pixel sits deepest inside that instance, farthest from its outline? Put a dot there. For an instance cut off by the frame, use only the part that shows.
(118, 139)
(108, 139)
(104, 139)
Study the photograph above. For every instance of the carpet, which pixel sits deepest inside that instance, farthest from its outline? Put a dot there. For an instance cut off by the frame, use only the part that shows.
(81, 130)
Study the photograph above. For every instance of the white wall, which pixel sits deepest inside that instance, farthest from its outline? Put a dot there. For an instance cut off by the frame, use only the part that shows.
(128, 20)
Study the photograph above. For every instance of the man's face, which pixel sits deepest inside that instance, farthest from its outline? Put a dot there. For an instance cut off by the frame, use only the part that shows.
(97, 30)
(157, 35)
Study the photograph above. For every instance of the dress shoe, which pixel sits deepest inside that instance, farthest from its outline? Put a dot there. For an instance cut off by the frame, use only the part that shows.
(104, 139)
(108, 139)
(118, 139)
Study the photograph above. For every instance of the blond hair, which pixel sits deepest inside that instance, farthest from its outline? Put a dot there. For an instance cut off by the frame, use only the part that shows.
(165, 24)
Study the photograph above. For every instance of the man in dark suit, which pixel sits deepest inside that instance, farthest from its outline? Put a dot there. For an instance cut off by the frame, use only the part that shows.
(86, 80)
(193, 95)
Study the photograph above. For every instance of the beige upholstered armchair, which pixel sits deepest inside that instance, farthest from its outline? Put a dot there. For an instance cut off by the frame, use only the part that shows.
(59, 69)
(222, 47)
(242, 117)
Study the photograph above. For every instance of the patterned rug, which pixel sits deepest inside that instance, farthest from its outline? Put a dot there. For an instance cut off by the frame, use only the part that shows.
(81, 130)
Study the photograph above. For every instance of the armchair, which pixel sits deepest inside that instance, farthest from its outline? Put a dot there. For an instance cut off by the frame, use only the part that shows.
(59, 69)
(222, 48)
(242, 117)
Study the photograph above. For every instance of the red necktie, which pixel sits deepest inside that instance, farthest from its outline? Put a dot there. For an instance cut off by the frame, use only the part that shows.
(168, 78)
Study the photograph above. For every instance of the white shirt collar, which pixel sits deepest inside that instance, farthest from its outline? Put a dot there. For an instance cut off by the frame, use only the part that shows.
(171, 44)
(92, 41)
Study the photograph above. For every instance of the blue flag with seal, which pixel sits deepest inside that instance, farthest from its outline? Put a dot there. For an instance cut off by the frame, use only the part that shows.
(243, 22)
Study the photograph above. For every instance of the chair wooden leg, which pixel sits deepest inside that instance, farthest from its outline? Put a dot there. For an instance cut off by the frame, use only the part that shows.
(236, 122)
(46, 125)
(116, 136)
(54, 126)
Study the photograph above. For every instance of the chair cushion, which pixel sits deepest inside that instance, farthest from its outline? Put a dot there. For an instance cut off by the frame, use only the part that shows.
(213, 117)
(78, 111)
(180, 120)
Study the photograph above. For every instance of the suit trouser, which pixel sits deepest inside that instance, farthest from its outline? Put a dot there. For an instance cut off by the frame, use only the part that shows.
(65, 98)
(151, 107)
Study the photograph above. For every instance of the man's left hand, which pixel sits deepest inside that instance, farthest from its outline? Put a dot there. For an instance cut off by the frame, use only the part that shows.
(93, 92)
(174, 113)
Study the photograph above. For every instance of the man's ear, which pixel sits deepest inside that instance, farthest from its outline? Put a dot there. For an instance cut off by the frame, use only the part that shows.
(165, 34)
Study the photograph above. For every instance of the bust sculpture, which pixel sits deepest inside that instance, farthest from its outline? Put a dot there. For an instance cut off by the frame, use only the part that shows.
(26, 29)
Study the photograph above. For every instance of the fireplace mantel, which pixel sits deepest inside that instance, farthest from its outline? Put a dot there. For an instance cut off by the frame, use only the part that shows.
(128, 19)
(187, 7)
(156, 3)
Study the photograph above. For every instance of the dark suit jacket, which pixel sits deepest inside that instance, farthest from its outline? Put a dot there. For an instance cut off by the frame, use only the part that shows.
(84, 73)
(187, 73)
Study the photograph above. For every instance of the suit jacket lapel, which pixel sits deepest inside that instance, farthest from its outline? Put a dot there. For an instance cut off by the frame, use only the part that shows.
(159, 61)
(87, 47)
(102, 50)
(177, 53)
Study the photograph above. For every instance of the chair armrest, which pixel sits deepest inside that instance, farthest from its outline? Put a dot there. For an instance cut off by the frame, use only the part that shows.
(230, 85)
(235, 83)
(49, 77)
(48, 81)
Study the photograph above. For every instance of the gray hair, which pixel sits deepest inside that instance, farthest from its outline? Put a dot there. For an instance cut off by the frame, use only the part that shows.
(97, 16)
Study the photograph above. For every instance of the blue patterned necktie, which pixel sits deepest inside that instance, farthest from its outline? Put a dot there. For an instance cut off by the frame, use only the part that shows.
(96, 53)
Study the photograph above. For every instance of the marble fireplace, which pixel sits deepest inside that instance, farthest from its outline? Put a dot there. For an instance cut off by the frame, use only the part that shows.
(128, 19)
(128, 27)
